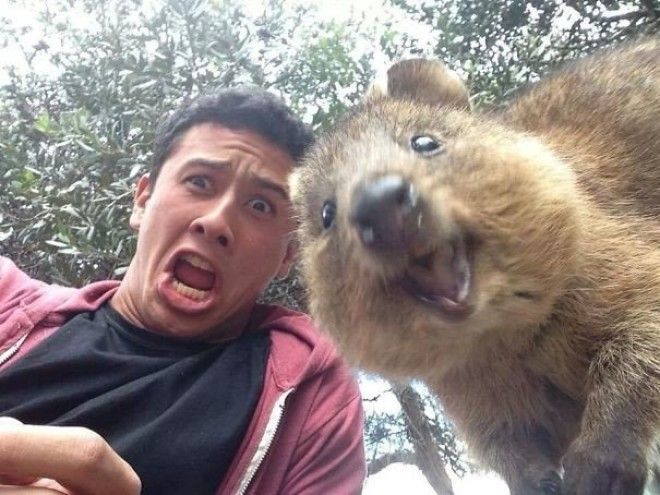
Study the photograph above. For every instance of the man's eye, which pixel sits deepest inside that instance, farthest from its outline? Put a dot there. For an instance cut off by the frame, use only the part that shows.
(199, 181)
(260, 205)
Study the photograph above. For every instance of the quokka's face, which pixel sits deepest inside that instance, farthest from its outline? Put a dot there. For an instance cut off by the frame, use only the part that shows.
(422, 226)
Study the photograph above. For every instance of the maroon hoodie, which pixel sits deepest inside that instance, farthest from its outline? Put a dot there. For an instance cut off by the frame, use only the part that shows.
(306, 434)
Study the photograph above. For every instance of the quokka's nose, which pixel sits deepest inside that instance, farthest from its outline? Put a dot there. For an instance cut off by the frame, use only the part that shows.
(383, 212)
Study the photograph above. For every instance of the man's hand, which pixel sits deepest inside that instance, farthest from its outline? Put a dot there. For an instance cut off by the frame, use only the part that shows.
(58, 459)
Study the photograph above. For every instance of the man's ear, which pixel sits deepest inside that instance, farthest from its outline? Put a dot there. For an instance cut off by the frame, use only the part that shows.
(142, 194)
(289, 258)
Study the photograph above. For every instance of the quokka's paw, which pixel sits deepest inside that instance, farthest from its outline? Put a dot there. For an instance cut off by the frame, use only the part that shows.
(551, 484)
(598, 470)
(547, 482)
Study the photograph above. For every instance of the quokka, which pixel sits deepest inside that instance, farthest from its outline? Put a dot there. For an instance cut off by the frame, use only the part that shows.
(510, 260)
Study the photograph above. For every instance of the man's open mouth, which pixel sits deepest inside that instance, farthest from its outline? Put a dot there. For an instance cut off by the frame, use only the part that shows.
(193, 276)
(440, 276)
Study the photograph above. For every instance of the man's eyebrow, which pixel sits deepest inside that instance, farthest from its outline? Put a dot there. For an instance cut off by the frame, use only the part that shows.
(273, 186)
(205, 162)
(256, 179)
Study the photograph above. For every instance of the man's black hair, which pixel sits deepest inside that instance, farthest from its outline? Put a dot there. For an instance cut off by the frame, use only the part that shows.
(251, 109)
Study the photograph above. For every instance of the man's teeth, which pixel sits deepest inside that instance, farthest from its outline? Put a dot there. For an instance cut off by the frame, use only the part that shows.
(188, 291)
(195, 260)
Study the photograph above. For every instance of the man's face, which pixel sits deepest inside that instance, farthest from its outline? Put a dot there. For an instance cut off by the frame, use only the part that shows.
(212, 232)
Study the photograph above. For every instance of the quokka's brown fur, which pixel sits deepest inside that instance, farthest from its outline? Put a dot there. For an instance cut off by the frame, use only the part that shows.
(532, 240)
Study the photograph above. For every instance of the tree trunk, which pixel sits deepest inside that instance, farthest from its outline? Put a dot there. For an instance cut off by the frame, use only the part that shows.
(419, 431)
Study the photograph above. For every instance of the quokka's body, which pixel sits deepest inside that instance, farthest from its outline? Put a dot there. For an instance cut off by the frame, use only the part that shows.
(512, 261)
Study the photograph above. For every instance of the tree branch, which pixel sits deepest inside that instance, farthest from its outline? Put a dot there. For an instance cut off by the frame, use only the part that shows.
(634, 16)
(380, 463)
(426, 450)
(651, 8)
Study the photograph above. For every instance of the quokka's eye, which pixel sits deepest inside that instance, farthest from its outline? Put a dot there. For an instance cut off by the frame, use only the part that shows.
(426, 145)
(328, 213)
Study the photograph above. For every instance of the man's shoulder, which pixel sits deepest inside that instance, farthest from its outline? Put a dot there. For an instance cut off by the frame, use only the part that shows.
(38, 299)
(13, 278)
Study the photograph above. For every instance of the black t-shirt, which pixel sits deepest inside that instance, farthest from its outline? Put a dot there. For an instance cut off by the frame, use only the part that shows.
(175, 411)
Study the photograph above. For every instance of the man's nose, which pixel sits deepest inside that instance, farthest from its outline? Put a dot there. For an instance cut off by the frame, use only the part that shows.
(217, 223)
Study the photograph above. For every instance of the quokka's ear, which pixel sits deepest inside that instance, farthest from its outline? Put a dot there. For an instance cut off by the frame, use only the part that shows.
(424, 81)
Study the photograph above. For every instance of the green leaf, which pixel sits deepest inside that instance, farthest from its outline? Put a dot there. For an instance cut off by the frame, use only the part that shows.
(43, 123)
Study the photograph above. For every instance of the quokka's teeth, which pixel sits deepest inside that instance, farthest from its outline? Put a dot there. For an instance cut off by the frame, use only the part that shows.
(188, 291)
(197, 261)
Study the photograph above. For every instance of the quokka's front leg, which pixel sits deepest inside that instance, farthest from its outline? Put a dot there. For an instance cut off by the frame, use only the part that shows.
(524, 456)
(612, 453)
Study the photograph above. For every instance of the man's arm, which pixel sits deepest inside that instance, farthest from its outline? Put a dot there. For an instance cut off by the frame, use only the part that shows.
(76, 458)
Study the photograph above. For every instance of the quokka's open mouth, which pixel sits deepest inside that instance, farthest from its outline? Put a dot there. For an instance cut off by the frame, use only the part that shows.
(441, 276)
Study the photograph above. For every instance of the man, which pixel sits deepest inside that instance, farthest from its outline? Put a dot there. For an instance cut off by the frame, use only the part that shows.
(183, 384)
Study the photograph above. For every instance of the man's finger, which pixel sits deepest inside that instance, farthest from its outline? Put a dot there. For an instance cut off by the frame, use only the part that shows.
(9, 422)
(11, 479)
(27, 490)
(77, 458)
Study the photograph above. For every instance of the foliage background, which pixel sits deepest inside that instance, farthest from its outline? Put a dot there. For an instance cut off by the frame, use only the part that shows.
(83, 83)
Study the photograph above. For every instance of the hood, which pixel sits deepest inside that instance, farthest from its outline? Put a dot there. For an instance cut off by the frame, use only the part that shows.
(298, 350)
